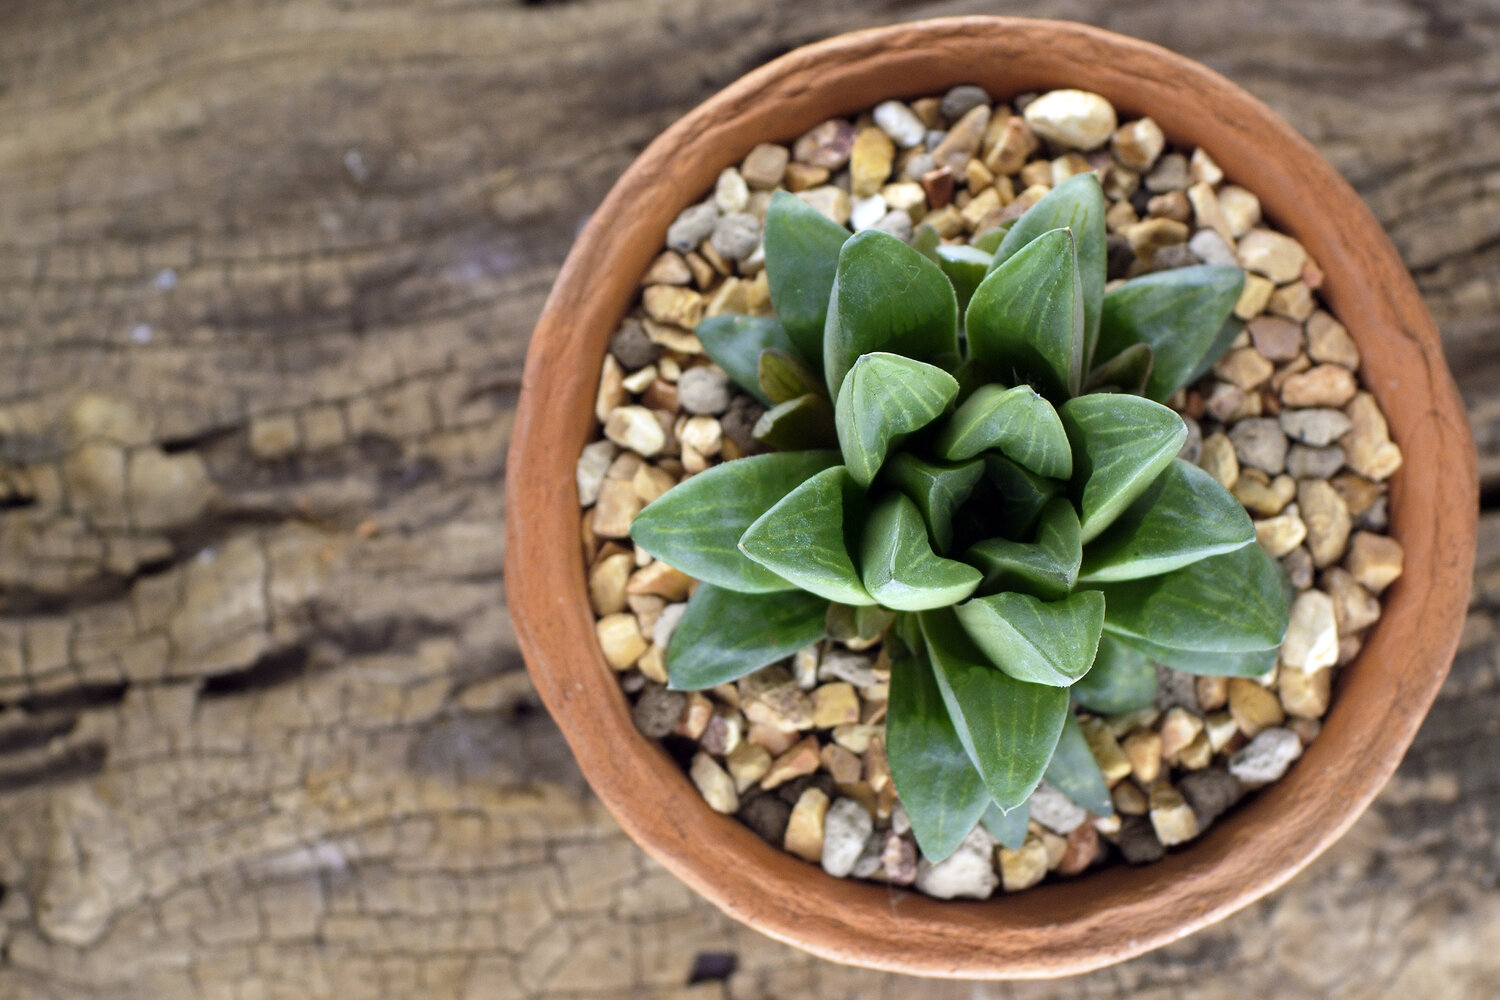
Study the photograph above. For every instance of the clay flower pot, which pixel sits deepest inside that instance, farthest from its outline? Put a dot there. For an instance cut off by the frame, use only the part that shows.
(1116, 912)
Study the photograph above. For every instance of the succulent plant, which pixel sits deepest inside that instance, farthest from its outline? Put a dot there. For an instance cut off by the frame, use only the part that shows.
(972, 457)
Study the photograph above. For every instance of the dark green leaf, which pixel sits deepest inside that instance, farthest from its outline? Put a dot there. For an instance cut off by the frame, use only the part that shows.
(1177, 313)
(1120, 444)
(803, 540)
(925, 241)
(944, 796)
(1021, 494)
(899, 568)
(1078, 204)
(887, 297)
(1042, 642)
(696, 525)
(736, 342)
(1231, 603)
(1026, 319)
(1127, 371)
(857, 624)
(797, 424)
(1207, 663)
(989, 240)
(1046, 567)
(965, 266)
(784, 376)
(1010, 828)
(1184, 516)
(1074, 771)
(936, 488)
(802, 256)
(1121, 680)
(1227, 335)
(1018, 422)
(725, 635)
(884, 398)
(1008, 727)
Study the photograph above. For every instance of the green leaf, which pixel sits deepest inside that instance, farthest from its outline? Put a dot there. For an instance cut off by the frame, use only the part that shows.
(783, 376)
(1230, 603)
(797, 424)
(1226, 336)
(1043, 642)
(802, 256)
(1020, 423)
(1074, 771)
(1026, 319)
(938, 489)
(1177, 313)
(1207, 663)
(1021, 494)
(989, 240)
(803, 537)
(736, 343)
(965, 265)
(1046, 567)
(1120, 444)
(1127, 371)
(1184, 516)
(884, 398)
(725, 635)
(887, 297)
(1121, 680)
(1077, 204)
(857, 624)
(925, 241)
(1008, 727)
(1010, 828)
(696, 525)
(944, 796)
(899, 567)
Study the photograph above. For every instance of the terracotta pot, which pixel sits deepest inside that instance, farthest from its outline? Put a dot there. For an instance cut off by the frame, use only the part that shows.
(1117, 912)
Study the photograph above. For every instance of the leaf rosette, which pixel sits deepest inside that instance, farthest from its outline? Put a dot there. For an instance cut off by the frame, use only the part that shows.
(998, 480)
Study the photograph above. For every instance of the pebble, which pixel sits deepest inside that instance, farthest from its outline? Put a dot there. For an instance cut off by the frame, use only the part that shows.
(1312, 639)
(666, 624)
(657, 710)
(835, 704)
(804, 829)
(1294, 301)
(1172, 819)
(1025, 866)
(636, 428)
(1169, 174)
(1305, 695)
(1266, 757)
(1007, 146)
(669, 267)
(1179, 727)
(897, 223)
(1277, 257)
(901, 123)
(846, 829)
(1210, 792)
(1150, 236)
(1106, 750)
(1317, 427)
(1303, 462)
(1254, 296)
(1073, 119)
(1218, 459)
(827, 145)
(1137, 144)
(1262, 495)
(764, 166)
(1329, 341)
(1246, 368)
(593, 462)
(1143, 748)
(967, 873)
(748, 763)
(615, 508)
(1192, 445)
(870, 162)
(1138, 842)
(1054, 810)
(1368, 445)
(1327, 519)
(703, 390)
(832, 201)
(1276, 337)
(1354, 607)
(620, 639)
(1374, 560)
(1253, 707)
(1322, 385)
(731, 194)
(1280, 535)
(866, 213)
(735, 236)
(845, 767)
(716, 785)
(692, 226)
(1081, 852)
(960, 100)
(767, 815)
(870, 860)
(632, 347)
(1260, 443)
(1240, 208)
(1128, 799)
(899, 859)
(963, 139)
(724, 732)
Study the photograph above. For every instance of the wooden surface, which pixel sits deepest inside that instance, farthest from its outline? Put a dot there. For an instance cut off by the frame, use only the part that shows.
(267, 271)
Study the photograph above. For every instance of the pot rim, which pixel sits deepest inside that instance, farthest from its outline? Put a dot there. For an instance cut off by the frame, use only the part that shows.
(1114, 913)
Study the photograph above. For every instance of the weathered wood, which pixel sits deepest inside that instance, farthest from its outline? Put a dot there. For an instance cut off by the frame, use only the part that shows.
(266, 276)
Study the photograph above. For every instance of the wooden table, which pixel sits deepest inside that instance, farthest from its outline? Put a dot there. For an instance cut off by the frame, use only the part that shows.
(267, 272)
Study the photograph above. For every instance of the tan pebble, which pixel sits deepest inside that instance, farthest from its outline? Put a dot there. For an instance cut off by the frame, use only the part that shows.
(1281, 534)
(1069, 165)
(620, 639)
(731, 297)
(977, 176)
(826, 145)
(1013, 142)
(1082, 850)
(635, 428)
(835, 704)
(764, 166)
(801, 759)
(775, 739)
(1328, 341)
(1322, 385)
(1150, 235)
(1056, 846)
(1108, 826)
(844, 766)
(651, 482)
(1276, 337)
(1129, 799)
(1296, 366)
(1073, 119)
(1299, 568)
(906, 196)
(1212, 692)
(638, 381)
(1354, 608)
(703, 272)
(963, 139)
(804, 830)
(1374, 560)
(1120, 183)
(1179, 727)
(1254, 296)
(624, 466)
(1327, 519)
(1119, 217)
(673, 304)
(1370, 451)
(1274, 255)
(1306, 694)
(870, 161)
(653, 664)
(616, 507)
(831, 201)
(1024, 867)
(1221, 729)
(607, 581)
(947, 221)
(1307, 730)
(1262, 495)
(1218, 459)
(1294, 301)
(1253, 707)
(1358, 492)
(1196, 755)
(1171, 817)
(1106, 749)
(1241, 209)
(1206, 212)
(1245, 368)
(1137, 144)
(703, 434)
(1171, 205)
(877, 767)
(662, 581)
(802, 176)
(1037, 173)
(980, 206)
(716, 786)
(1143, 748)
(1349, 647)
(1312, 639)
(930, 110)
(724, 732)
(611, 394)
(856, 738)
(1143, 718)
(697, 710)
(748, 763)
(1202, 168)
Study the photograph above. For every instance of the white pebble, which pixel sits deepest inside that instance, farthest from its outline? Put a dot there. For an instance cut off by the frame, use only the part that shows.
(1075, 119)
(864, 213)
(593, 463)
(968, 872)
(636, 428)
(731, 193)
(1312, 638)
(1266, 757)
(845, 830)
(900, 123)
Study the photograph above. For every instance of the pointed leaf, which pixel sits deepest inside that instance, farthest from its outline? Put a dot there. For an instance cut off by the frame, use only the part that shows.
(804, 422)
(1184, 516)
(1177, 313)
(696, 525)
(884, 398)
(1207, 663)
(1231, 603)
(1008, 727)
(1128, 371)
(938, 489)
(1021, 494)
(783, 376)
(736, 343)
(865, 624)
(1120, 444)
(1074, 771)
(1046, 567)
(1043, 642)
(802, 538)
(1026, 318)
(1018, 422)
(887, 297)
(725, 635)
(944, 796)
(925, 241)
(1121, 680)
(965, 266)
(989, 240)
(899, 567)
(1010, 828)
(802, 256)
(1077, 204)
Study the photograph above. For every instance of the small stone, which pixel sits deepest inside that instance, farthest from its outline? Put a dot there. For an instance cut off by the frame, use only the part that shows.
(1138, 842)
(673, 304)
(1262, 495)
(632, 347)
(1368, 445)
(731, 194)
(1209, 247)
(692, 226)
(767, 816)
(1221, 730)
(1081, 852)
(1299, 568)
(1149, 236)
(735, 236)
(831, 201)
(967, 873)
(899, 860)
(1266, 757)
(1128, 799)
(907, 196)
(748, 763)
(897, 223)
(1253, 707)
(1312, 637)
(1260, 443)
(1172, 819)
(1212, 692)
(1007, 146)
(1023, 867)
(801, 759)
(1305, 694)
(1179, 727)
(724, 732)
(1374, 560)
(611, 393)
(607, 580)
(771, 695)
(1137, 144)
(1354, 607)
(1307, 730)
(1317, 427)
(1210, 793)
(1240, 208)
(844, 766)
(960, 100)
(1174, 255)
(804, 830)
(864, 213)
(937, 186)
(1073, 119)
(1246, 368)
(826, 145)
(703, 390)
(1173, 205)
(1054, 810)
(666, 624)
(1254, 296)
(899, 122)
(1192, 445)
(1106, 750)
(1278, 257)
(963, 140)
(593, 462)
(1218, 459)
(1169, 174)
(657, 710)
(835, 704)
(1143, 748)
(764, 166)
(714, 784)
(1322, 385)
(620, 639)
(1327, 519)
(1276, 337)
(846, 828)
(669, 269)
(1294, 301)
(1328, 341)
(870, 161)
(1280, 535)
(635, 428)
(801, 176)
(1303, 462)
(615, 508)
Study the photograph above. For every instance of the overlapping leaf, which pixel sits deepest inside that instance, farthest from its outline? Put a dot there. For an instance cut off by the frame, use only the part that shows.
(1017, 422)
(802, 256)
(1026, 318)
(802, 539)
(1121, 679)
(1046, 567)
(736, 344)
(1042, 642)
(898, 566)
(1074, 771)
(1120, 444)
(937, 488)
(725, 635)
(1177, 313)
(884, 398)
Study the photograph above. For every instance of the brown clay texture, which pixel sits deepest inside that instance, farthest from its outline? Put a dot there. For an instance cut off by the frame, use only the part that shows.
(1117, 913)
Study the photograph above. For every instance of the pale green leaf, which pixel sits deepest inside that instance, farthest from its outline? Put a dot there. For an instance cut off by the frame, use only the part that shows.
(1208, 663)
(863, 624)
(725, 635)
(989, 240)
(736, 343)
(1019, 423)
(899, 568)
(1120, 445)
(1046, 567)
(1010, 828)
(965, 265)
(1128, 371)
(798, 424)
(783, 376)
(1042, 642)
(1178, 313)
(802, 256)
(884, 398)
(803, 537)
(1121, 680)
(1074, 771)
(1026, 318)
(937, 488)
